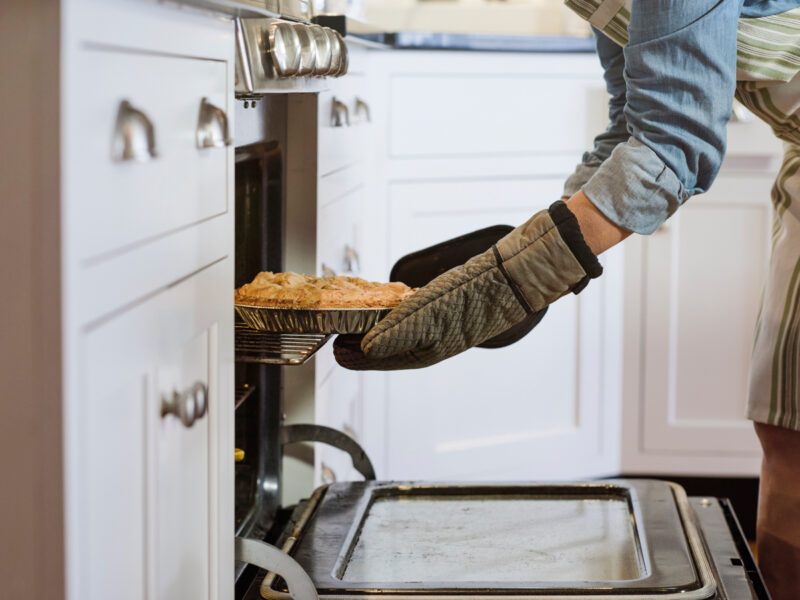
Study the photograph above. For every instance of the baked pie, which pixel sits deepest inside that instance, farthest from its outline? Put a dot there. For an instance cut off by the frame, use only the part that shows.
(292, 290)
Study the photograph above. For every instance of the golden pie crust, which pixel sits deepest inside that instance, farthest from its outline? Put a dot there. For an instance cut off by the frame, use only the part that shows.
(292, 290)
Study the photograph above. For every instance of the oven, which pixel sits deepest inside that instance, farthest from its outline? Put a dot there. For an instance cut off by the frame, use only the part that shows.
(401, 540)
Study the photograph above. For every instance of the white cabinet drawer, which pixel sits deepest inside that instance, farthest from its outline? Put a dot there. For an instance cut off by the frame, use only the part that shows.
(486, 114)
(114, 205)
(345, 116)
(339, 235)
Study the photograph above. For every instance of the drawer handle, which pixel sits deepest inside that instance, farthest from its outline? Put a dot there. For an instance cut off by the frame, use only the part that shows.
(212, 126)
(363, 108)
(328, 476)
(327, 271)
(134, 135)
(340, 115)
(351, 260)
(189, 406)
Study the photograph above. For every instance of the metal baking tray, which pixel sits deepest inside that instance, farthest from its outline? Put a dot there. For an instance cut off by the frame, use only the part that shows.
(311, 320)
(615, 539)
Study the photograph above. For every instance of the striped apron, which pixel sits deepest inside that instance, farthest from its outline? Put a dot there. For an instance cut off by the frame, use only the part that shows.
(768, 83)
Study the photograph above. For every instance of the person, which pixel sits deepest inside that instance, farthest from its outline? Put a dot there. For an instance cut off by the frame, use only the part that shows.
(672, 69)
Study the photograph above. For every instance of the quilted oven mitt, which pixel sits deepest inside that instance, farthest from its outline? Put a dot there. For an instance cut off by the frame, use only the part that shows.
(534, 265)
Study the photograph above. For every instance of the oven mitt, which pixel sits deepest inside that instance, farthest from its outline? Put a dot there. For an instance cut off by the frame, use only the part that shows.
(523, 273)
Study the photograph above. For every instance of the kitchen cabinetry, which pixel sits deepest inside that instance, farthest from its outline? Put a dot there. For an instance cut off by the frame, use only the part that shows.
(154, 401)
(645, 371)
(345, 147)
(144, 310)
(469, 140)
(692, 297)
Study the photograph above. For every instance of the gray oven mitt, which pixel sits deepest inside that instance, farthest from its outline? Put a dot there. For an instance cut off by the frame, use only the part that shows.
(529, 268)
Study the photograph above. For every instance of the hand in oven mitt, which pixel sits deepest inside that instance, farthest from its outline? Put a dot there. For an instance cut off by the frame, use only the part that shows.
(534, 265)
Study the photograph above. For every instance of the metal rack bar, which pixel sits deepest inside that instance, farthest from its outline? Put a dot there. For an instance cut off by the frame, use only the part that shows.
(255, 346)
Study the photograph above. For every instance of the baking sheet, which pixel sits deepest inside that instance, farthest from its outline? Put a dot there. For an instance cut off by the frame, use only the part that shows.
(308, 320)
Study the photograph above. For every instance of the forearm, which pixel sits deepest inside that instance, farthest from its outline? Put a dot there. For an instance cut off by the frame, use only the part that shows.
(598, 231)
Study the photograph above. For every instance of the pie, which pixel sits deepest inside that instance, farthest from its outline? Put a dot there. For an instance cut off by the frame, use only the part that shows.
(292, 290)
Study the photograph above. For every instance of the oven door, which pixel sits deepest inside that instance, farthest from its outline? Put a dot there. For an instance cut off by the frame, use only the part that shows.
(607, 539)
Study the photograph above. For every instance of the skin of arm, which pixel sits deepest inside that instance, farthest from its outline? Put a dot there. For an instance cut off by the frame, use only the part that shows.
(599, 232)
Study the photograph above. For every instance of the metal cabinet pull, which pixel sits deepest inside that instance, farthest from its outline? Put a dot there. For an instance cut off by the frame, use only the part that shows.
(189, 406)
(327, 271)
(270, 558)
(212, 126)
(363, 108)
(351, 260)
(134, 135)
(340, 114)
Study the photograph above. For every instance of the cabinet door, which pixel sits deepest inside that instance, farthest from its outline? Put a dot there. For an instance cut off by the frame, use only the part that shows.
(338, 404)
(153, 491)
(703, 272)
(531, 410)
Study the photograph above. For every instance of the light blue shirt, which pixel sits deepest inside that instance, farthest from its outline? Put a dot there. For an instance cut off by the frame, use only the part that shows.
(671, 92)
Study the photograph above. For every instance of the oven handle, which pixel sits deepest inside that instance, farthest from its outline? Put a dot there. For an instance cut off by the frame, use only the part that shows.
(291, 434)
(269, 558)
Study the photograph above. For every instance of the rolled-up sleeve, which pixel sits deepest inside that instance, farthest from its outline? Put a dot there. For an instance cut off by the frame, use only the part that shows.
(613, 63)
(679, 73)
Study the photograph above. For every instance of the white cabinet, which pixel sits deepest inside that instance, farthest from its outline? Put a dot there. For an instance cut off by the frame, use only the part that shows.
(643, 372)
(468, 140)
(147, 274)
(345, 154)
(503, 413)
(694, 289)
(150, 504)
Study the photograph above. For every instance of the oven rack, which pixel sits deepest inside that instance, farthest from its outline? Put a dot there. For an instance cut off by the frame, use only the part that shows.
(242, 393)
(255, 346)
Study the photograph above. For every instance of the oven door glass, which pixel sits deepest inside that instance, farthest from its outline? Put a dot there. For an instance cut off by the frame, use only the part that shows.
(612, 539)
(495, 538)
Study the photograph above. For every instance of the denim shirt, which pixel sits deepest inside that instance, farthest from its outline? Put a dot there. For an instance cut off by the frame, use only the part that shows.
(671, 92)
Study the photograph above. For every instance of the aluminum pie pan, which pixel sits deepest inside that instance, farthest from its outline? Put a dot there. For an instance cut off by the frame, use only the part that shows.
(310, 320)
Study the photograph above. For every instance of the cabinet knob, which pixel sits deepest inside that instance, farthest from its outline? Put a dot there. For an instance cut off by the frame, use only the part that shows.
(134, 135)
(362, 108)
(340, 115)
(212, 126)
(189, 406)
